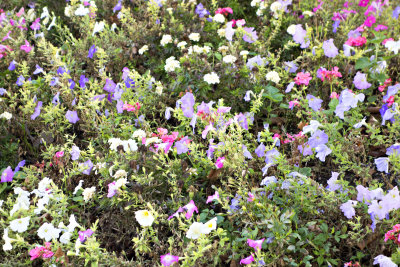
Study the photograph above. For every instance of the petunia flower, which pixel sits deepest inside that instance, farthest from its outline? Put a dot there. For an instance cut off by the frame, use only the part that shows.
(250, 36)
(348, 209)
(220, 162)
(212, 197)
(322, 152)
(314, 103)
(382, 164)
(187, 105)
(256, 244)
(72, 116)
(12, 65)
(330, 50)
(168, 259)
(26, 47)
(190, 209)
(247, 260)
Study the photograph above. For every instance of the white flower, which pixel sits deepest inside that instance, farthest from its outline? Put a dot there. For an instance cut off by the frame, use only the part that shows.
(159, 89)
(79, 186)
(144, 217)
(210, 225)
(45, 13)
(275, 7)
(130, 145)
(22, 201)
(113, 27)
(121, 182)
(195, 230)
(171, 64)
(81, 11)
(48, 232)
(120, 174)
(255, 2)
(72, 223)
(384, 261)
(206, 49)
(219, 18)
(244, 53)
(41, 204)
(211, 78)
(152, 140)
(20, 225)
(77, 246)
(114, 143)
(312, 127)
(273, 76)
(98, 27)
(223, 48)
(221, 32)
(1, 203)
(139, 134)
(6, 115)
(65, 237)
(194, 37)
(143, 49)
(166, 39)
(197, 49)
(7, 241)
(99, 166)
(88, 193)
(393, 46)
(292, 29)
(229, 59)
(181, 45)
(67, 11)
(308, 13)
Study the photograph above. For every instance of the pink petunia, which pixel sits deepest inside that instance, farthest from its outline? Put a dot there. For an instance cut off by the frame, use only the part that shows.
(212, 197)
(256, 244)
(247, 260)
(168, 259)
(370, 21)
(26, 47)
(303, 78)
(220, 162)
(190, 209)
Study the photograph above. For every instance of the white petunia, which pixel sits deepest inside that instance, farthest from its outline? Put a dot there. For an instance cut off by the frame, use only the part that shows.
(143, 49)
(98, 27)
(229, 59)
(194, 37)
(52, 24)
(166, 39)
(7, 241)
(195, 230)
(393, 46)
(72, 223)
(65, 237)
(139, 134)
(82, 11)
(79, 186)
(211, 78)
(45, 13)
(144, 217)
(210, 225)
(171, 64)
(292, 29)
(48, 232)
(120, 174)
(88, 193)
(273, 76)
(244, 53)
(219, 18)
(20, 225)
(6, 115)
(181, 45)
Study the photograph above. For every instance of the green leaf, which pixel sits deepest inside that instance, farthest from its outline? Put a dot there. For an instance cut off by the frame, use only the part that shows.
(218, 55)
(363, 63)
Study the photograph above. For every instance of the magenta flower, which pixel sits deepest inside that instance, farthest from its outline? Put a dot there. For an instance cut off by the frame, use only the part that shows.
(83, 235)
(36, 24)
(26, 47)
(363, 3)
(380, 27)
(247, 260)
(72, 116)
(212, 197)
(168, 259)
(302, 78)
(43, 252)
(251, 197)
(370, 21)
(190, 209)
(220, 162)
(176, 213)
(59, 154)
(256, 244)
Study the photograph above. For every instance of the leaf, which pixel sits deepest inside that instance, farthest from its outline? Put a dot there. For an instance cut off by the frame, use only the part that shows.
(218, 55)
(363, 63)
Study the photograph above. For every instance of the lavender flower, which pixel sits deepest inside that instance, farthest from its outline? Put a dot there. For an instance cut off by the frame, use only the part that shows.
(187, 105)
(118, 6)
(260, 150)
(109, 86)
(382, 164)
(289, 87)
(305, 149)
(92, 50)
(12, 65)
(379, 209)
(8, 173)
(20, 80)
(291, 67)
(250, 36)
(38, 70)
(88, 166)
(75, 152)
(246, 152)
(56, 99)
(72, 116)
(330, 50)
(299, 36)
(82, 81)
(255, 61)
(322, 152)
(314, 103)
(37, 110)
(348, 209)
(201, 11)
(318, 138)
(360, 81)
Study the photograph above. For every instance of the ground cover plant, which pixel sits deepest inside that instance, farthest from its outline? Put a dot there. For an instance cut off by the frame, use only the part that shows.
(199, 133)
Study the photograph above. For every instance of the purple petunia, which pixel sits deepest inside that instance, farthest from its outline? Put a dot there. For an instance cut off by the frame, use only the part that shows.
(181, 145)
(318, 138)
(8, 173)
(88, 166)
(187, 105)
(379, 209)
(260, 150)
(109, 86)
(246, 152)
(348, 209)
(201, 11)
(360, 81)
(330, 50)
(83, 235)
(82, 81)
(305, 149)
(92, 50)
(20, 80)
(314, 103)
(382, 164)
(72, 116)
(333, 184)
(300, 35)
(255, 61)
(250, 36)
(322, 152)
(38, 70)
(75, 152)
(12, 65)
(37, 110)
(118, 6)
